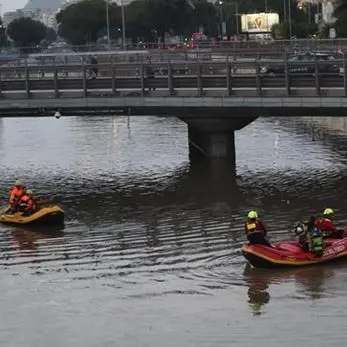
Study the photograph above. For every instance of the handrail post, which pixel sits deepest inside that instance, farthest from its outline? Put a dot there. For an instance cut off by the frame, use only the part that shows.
(286, 75)
(84, 80)
(27, 79)
(344, 74)
(229, 78)
(170, 81)
(114, 84)
(56, 83)
(142, 77)
(199, 79)
(316, 77)
(258, 78)
(1, 84)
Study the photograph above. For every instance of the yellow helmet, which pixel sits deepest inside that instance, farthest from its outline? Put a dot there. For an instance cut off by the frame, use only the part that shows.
(252, 215)
(328, 212)
(29, 192)
(18, 183)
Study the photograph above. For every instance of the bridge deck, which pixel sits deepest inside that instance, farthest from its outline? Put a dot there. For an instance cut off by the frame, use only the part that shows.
(190, 85)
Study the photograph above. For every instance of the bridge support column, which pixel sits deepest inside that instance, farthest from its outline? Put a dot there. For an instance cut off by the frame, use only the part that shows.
(214, 144)
(213, 137)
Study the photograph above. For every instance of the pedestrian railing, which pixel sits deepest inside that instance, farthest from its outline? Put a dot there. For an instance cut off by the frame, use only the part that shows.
(228, 78)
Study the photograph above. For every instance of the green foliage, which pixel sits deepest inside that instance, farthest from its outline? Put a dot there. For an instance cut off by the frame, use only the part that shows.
(26, 32)
(51, 35)
(149, 20)
(81, 22)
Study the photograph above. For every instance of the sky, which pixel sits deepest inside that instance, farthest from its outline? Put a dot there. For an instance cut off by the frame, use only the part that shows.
(11, 5)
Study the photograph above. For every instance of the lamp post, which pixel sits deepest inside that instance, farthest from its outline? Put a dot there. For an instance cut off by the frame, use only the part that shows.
(221, 19)
(290, 18)
(123, 25)
(237, 18)
(108, 25)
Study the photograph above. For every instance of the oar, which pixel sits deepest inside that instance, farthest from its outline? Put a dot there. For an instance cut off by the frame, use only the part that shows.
(5, 210)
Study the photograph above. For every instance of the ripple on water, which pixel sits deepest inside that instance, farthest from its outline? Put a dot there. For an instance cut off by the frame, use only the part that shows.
(143, 223)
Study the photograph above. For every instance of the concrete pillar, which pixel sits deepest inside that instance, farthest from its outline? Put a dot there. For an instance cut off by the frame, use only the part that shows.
(212, 144)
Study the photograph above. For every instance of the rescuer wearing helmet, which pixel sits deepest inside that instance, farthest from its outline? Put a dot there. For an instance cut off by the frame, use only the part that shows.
(255, 229)
(310, 237)
(15, 194)
(27, 203)
(326, 225)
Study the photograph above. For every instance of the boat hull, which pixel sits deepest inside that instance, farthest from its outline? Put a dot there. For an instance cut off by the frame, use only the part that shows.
(51, 215)
(289, 254)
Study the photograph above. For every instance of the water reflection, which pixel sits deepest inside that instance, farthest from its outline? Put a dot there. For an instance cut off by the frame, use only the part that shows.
(145, 228)
(311, 283)
(258, 284)
(26, 239)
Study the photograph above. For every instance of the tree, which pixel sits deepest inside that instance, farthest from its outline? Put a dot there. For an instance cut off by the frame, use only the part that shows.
(205, 15)
(51, 35)
(82, 22)
(26, 32)
(3, 36)
(341, 18)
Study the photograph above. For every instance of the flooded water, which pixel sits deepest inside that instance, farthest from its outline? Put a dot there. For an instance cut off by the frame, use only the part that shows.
(150, 254)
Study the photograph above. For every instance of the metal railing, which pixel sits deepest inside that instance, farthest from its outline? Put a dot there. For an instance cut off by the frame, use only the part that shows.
(256, 78)
(208, 44)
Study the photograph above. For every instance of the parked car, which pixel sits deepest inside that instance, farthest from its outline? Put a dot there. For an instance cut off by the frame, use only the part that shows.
(303, 63)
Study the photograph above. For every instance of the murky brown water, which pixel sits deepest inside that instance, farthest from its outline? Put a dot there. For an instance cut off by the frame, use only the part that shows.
(150, 255)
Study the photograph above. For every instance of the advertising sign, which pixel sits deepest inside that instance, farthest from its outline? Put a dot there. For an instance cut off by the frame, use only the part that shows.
(258, 22)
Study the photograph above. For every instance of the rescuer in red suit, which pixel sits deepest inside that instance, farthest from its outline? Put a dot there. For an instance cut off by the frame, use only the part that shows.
(255, 229)
(326, 225)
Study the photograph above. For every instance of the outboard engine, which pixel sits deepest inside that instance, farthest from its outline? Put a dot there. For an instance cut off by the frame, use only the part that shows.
(299, 229)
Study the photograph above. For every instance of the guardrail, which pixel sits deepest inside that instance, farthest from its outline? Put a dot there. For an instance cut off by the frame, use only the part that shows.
(211, 44)
(190, 79)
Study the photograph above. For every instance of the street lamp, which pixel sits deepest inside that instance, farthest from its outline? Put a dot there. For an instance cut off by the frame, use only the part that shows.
(221, 19)
(123, 25)
(290, 18)
(108, 23)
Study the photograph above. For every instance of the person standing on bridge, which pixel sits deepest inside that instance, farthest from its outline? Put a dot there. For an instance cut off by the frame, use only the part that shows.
(149, 73)
(255, 229)
(94, 66)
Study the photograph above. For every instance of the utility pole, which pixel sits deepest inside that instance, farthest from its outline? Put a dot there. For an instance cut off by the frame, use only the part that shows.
(290, 18)
(108, 25)
(123, 25)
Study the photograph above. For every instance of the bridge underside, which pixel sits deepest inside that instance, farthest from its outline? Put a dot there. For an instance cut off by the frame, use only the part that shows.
(211, 121)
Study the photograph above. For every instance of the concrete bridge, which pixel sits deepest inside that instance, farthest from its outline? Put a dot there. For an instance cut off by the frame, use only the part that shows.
(214, 99)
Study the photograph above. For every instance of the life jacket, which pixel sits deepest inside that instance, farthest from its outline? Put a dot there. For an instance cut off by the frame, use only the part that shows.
(15, 194)
(316, 241)
(254, 226)
(27, 203)
(326, 226)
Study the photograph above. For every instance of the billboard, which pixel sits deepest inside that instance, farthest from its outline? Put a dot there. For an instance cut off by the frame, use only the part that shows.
(258, 22)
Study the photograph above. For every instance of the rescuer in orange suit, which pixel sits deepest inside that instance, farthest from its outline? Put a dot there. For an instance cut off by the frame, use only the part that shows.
(255, 229)
(15, 195)
(327, 227)
(27, 203)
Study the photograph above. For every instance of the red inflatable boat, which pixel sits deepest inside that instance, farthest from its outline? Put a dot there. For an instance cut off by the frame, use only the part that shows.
(289, 254)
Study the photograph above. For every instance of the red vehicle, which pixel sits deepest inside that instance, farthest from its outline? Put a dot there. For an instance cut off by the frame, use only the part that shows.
(196, 40)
